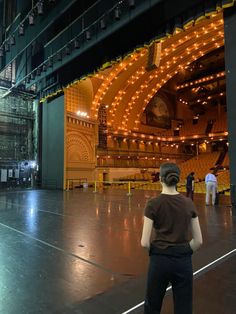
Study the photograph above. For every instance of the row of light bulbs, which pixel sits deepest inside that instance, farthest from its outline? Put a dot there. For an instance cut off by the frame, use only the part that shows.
(181, 57)
(204, 102)
(166, 52)
(140, 137)
(110, 79)
(147, 142)
(154, 89)
(133, 157)
(82, 114)
(202, 80)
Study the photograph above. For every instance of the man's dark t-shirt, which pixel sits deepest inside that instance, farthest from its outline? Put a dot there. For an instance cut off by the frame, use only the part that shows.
(189, 183)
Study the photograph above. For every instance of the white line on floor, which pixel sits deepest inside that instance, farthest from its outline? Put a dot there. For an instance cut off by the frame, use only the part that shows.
(195, 273)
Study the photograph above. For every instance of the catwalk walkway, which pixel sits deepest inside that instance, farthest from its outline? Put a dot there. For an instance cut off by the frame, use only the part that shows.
(79, 252)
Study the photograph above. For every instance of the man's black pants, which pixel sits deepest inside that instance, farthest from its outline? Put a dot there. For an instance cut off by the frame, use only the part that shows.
(162, 271)
(189, 192)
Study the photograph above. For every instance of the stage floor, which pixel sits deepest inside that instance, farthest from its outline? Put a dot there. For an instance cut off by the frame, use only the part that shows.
(79, 252)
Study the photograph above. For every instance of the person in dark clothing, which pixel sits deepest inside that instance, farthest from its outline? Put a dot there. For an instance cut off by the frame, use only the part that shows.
(190, 185)
(171, 215)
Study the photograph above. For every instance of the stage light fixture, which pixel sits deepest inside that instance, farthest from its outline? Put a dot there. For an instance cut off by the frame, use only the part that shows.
(50, 63)
(44, 68)
(21, 29)
(117, 13)
(67, 50)
(6, 46)
(12, 40)
(31, 18)
(103, 23)
(40, 7)
(59, 57)
(76, 43)
(131, 3)
(88, 35)
(38, 71)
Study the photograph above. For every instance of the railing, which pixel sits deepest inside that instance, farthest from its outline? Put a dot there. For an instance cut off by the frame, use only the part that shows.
(73, 183)
(128, 186)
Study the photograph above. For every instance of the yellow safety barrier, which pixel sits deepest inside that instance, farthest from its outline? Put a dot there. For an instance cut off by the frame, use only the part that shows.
(199, 187)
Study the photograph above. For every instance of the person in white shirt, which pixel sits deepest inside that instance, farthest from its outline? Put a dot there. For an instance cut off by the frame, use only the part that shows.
(211, 188)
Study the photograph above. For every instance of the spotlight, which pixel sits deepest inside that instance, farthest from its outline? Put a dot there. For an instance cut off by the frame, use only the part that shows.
(103, 24)
(88, 35)
(38, 71)
(12, 40)
(44, 68)
(6, 46)
(117, 13)
(31, 18)
(1, 52)
(40, 7)
(59, 57)
(76, 43)
(21, 29)
(50, 63)
(131, 4)
(67, 50)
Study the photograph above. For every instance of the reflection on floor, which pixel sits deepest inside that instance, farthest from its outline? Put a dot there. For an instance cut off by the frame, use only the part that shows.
(79, 252)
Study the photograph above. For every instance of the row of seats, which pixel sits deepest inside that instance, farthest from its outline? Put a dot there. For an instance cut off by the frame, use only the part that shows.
(201, 165)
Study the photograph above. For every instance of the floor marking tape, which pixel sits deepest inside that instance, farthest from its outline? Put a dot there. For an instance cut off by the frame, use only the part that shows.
(195, 273)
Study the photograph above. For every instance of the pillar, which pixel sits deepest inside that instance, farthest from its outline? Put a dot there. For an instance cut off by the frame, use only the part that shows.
(230, 66)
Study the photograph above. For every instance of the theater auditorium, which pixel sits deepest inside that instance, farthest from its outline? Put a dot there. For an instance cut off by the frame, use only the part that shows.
(94, 97)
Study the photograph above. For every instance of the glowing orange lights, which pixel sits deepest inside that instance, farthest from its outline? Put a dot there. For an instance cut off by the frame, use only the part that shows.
(128, 88)
(204, 79)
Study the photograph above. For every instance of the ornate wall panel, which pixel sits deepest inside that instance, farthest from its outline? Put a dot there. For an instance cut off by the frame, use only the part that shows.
(81, 138)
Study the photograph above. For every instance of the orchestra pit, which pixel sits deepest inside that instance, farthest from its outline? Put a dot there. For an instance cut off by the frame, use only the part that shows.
(92, 102)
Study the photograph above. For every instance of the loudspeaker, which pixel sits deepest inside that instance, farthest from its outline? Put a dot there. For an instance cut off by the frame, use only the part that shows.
(154, 56)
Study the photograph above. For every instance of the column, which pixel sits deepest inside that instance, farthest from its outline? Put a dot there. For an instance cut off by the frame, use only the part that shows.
(230, 66)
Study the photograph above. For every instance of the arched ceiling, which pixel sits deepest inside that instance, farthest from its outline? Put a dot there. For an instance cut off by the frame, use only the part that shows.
(126, 88)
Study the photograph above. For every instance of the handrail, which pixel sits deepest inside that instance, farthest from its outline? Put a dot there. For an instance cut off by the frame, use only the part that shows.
(222, 188)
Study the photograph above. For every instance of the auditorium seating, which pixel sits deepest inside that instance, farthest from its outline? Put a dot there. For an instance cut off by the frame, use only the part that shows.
(201, 165)
(223, 178)
(226, 160)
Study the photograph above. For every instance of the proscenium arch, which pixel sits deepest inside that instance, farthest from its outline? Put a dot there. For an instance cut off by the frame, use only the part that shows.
(128, 88)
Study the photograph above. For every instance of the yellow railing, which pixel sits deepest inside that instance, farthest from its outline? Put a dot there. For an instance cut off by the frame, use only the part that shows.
(72, 183)
(124, 185)
(137, 185)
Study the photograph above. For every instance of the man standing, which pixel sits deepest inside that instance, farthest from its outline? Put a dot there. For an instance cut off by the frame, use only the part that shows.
(211, 188)
(190, 185)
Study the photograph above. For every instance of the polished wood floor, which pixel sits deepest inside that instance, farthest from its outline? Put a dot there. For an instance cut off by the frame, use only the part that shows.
(79, 252)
